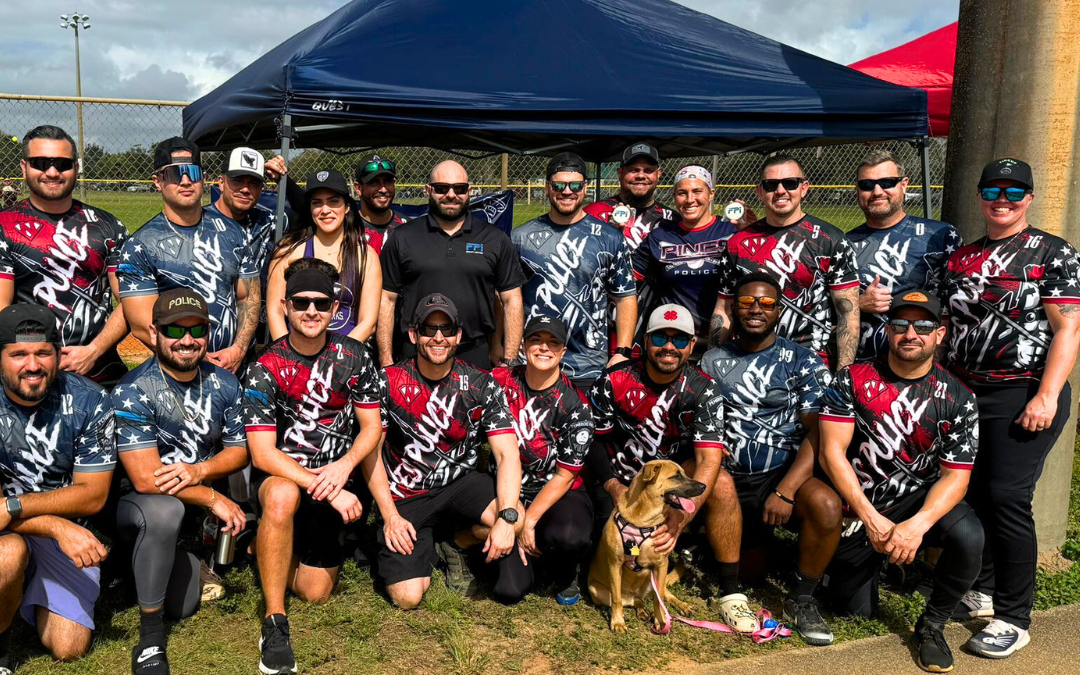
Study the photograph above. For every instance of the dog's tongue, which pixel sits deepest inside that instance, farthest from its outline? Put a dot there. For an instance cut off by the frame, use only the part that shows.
(686, 504)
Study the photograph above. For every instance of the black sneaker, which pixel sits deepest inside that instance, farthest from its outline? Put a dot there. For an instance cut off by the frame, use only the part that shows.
(277, 653)
(459, 578)
(571, 594)
(934, 653)
(149, 659)
(803, 615)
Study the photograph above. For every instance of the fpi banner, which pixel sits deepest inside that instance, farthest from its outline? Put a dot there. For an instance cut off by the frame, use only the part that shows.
(496, 208)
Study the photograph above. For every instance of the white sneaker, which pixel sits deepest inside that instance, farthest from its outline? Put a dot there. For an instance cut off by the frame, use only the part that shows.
(973, 605)
(736, 613)
(212, 588)
(998, 640)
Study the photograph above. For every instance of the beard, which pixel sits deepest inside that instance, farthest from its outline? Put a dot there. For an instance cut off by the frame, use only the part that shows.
(28, 392)
(636, 202)
(886, 210)
(181, 362)
(52, 191)
(667, 368)
(448, 211)
(379, 210)
(435, 360)
(925, 352)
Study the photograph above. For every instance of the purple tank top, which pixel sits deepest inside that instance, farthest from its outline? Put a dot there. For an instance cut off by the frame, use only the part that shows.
(343, 322)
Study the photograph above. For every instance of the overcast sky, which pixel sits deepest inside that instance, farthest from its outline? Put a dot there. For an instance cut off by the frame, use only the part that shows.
(181, 50)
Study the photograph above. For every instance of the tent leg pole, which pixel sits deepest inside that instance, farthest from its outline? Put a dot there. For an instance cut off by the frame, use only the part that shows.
(286, 134)
(928, 193)
(599, 172)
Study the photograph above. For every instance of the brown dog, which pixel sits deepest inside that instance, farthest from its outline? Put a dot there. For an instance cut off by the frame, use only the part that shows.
(625, 558)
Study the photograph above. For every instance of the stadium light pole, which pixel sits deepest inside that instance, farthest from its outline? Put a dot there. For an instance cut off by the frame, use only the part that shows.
(76, 21)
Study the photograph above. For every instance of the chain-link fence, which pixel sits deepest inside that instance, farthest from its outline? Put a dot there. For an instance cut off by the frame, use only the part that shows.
(118, 140)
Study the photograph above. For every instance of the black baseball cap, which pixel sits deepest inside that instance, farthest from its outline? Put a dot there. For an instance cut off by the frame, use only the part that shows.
(548, 324)
(435, 302)
(918, 298)
(566, 161)
(179, 303)
(1007, 169)
(165, 152)
(636, 150)
(13, 315)
(327, 180)
(374, 165)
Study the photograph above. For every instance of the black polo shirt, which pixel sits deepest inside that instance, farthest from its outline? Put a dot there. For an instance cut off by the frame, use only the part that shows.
(468, 267)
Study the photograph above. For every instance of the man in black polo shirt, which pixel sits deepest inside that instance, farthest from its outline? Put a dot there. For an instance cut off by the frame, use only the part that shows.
(451, 252)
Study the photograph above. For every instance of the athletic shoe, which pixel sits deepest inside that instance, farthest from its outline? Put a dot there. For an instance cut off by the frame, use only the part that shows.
(736, 613)
(277, 653)
(459, 578)
(998, 640)
(803, 615)
(934, 653)
(973, 605)
(571, 594)
(212, 588)
(149, 659)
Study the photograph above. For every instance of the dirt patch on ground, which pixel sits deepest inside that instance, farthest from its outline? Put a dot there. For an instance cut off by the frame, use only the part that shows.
(1053, 562)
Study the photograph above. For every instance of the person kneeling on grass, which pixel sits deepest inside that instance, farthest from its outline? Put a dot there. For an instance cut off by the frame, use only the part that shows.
(301, 398)
(898, 440)
(57, 453)
(554, 428)
(179, 423)
(436, 407)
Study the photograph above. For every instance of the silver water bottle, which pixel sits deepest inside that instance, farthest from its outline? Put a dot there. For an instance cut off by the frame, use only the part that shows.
(226, 547)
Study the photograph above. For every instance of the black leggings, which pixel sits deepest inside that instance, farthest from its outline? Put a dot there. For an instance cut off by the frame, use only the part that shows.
(164, 574)
(1008, 465)
(562, 536)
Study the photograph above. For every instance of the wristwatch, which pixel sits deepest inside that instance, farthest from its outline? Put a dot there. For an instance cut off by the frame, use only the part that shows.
(14, 507)
(509, 515)
(628, 352)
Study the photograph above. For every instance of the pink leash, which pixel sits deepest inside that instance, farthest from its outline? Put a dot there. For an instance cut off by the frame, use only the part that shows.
(759, 635)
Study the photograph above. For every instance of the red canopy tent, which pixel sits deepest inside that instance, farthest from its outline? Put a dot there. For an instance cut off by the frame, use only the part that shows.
(925, 62)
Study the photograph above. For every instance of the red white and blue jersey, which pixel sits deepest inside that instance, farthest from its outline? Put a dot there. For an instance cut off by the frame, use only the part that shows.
(554, 428)
(639, 420)
(765, 394)
(905, 430)
(996, 292)
(683, 266)
(62, 262)
(640, 224)
(809, 259)
(309, 400)
(573, 271)
(376, 236)
(909, 255)
(433, 429)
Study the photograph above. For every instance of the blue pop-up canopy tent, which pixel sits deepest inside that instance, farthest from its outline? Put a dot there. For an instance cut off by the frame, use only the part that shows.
(544, 76)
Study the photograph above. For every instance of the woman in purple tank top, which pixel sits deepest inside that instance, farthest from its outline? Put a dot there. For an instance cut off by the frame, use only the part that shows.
(329, 230)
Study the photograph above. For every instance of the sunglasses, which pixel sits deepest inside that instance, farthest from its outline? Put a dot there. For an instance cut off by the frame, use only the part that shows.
(678, 341)
(175, 332)
(175, 173)
(430, 329)
(443, 188)
(867, 184)
(301, 304)
(770, 184)
(922, 326)
(62, 164)
(1013, 194)
(574, 185)
(765, 302)
(382, 165)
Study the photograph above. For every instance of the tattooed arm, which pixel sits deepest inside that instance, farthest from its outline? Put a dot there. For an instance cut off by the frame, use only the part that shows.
(1040, 410)
(846, 303)
(720, 323)
(248, 304)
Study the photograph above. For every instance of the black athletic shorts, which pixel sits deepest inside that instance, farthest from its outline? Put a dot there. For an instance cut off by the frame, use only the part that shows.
(318, 530)
(459, 504)
(753, 490)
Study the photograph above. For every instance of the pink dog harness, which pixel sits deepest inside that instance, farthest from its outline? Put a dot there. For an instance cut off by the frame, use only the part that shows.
(632, 538)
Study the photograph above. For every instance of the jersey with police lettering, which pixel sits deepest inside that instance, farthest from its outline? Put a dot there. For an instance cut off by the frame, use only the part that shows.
(905, 430)
(809, 259)
(309, 399)
(554, 428)
(433, 428)
(765, 394)
(996, 292)
(70, 431)
(62, 261)
(909, 255)
(640, 224)
(683, 266)
(572, 272)
(207, 258)
(639, 420)
(187, 422)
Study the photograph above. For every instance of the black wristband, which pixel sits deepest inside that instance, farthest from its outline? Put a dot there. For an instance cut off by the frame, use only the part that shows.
(784, 499)
(628, 352)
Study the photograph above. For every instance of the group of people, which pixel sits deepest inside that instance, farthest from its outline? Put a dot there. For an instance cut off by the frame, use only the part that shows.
(877, 392)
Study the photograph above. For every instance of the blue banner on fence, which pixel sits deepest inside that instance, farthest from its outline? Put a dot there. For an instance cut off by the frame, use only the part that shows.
(497, 208)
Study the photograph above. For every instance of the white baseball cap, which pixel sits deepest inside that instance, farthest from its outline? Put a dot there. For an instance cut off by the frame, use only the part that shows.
(671, 316)
(246, 162)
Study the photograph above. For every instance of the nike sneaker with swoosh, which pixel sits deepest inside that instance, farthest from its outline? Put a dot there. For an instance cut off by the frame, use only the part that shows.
(149, 660)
